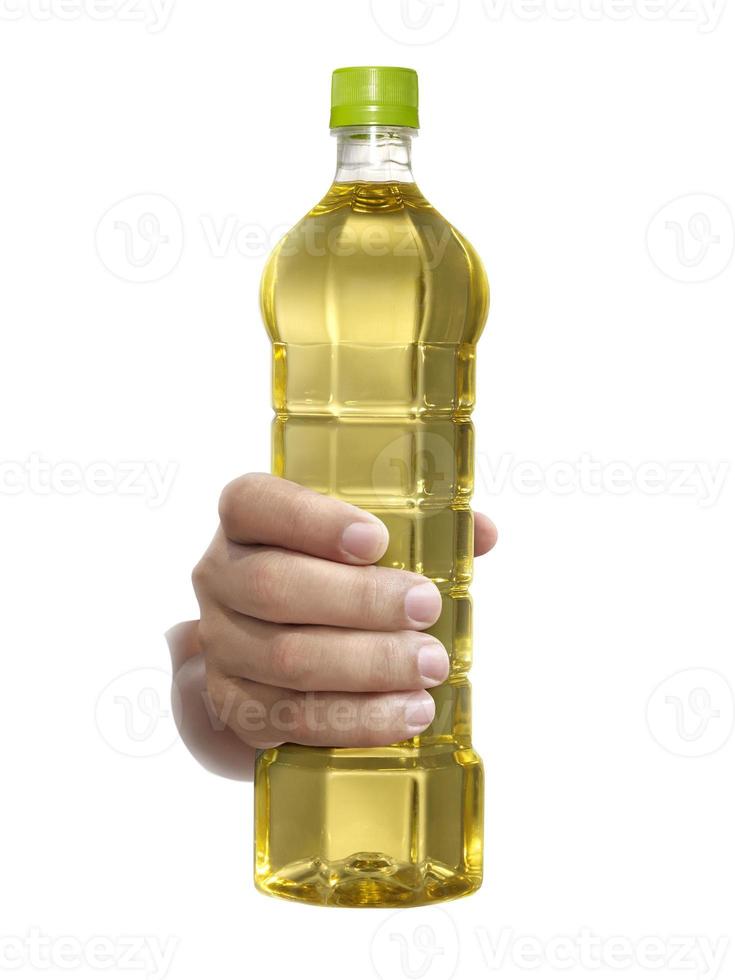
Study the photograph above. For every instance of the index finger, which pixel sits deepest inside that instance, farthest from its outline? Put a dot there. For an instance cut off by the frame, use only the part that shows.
(262, 509)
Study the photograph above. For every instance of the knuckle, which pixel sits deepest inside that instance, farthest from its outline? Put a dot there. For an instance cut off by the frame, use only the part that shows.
(217, 695)
(309, 508)
(289, 721)
(288, 660)
(209, 636)
(206, 634)
(236, 494)
(298, 509)
(267, 581)
(375, 721)
(368, 592)
(201, 575)
(388, 661)
(298, 730)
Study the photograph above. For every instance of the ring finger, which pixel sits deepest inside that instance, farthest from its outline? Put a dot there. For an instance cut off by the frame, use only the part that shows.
(322, 658)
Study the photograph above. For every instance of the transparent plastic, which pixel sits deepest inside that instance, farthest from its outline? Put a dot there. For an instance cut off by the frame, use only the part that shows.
(374, 304)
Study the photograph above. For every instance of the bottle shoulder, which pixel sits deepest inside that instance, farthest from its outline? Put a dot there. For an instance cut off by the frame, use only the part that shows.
(375, 254)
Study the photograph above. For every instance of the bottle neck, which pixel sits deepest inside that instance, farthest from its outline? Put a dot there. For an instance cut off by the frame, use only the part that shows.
(374, 154)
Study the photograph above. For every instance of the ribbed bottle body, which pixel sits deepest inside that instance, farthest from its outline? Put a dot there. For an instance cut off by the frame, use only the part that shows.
(374, 304)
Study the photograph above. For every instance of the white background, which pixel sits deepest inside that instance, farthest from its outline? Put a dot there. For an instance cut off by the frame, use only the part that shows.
(553, 136)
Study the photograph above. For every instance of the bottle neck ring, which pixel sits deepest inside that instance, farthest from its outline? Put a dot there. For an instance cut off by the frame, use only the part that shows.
(374, 154)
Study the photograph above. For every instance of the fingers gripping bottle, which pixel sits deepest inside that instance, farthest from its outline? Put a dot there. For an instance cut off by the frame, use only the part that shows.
(374, 304)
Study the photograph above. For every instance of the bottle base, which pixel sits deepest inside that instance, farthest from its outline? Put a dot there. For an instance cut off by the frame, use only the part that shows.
(422, 804)
(367, 880)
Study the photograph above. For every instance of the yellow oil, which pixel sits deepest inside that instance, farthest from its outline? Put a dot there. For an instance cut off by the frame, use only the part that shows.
(374, 304)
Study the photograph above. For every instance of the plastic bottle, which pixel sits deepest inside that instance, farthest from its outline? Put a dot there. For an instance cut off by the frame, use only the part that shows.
(374, 304)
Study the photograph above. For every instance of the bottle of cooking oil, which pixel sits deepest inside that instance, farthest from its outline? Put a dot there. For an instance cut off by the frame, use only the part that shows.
(374, 304)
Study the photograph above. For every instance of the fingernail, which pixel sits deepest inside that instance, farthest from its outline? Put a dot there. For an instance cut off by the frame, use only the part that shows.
(433, 664)
(419, 711)
(423, 604)
(365, 540)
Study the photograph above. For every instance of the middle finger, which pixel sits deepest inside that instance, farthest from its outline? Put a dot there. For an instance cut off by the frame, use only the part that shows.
(289, 587)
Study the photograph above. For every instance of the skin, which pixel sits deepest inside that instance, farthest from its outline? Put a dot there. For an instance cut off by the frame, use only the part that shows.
(301, 637)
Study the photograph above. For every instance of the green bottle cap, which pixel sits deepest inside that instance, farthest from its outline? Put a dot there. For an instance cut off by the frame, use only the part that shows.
(382, 96)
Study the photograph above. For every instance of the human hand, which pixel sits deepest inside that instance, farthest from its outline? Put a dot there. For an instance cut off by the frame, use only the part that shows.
(301, 637)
